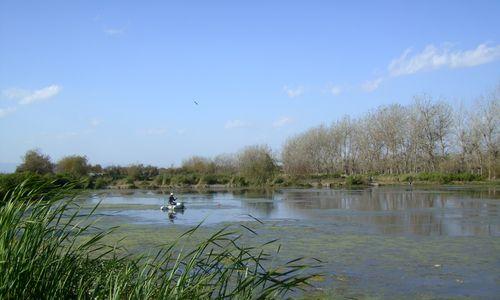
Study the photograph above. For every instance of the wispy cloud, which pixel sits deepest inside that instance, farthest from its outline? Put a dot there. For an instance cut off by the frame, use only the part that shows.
(114, 31)
(6, 111)
(433, 58)
(231, 124)
(283, 121)
(293, 92)
(371, 85)
(15, 93)
(334, 90)
(25, 97)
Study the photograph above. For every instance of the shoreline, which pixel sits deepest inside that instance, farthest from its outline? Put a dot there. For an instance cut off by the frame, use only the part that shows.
(325, 186)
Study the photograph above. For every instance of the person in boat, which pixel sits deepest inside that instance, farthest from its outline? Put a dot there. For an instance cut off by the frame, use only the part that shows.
(171, 199)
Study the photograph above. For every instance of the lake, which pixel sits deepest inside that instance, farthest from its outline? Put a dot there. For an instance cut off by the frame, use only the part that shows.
(380, 242)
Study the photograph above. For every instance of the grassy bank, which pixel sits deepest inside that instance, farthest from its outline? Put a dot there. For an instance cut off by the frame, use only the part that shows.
(50, 250)
(167, 181)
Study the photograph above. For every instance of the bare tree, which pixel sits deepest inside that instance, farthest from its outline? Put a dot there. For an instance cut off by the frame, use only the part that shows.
(487, 121)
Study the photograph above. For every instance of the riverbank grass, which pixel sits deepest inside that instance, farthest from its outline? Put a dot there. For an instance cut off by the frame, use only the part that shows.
(49, 248)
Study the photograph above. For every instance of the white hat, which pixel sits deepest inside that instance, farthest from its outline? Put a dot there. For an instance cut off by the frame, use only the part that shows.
(171, 194)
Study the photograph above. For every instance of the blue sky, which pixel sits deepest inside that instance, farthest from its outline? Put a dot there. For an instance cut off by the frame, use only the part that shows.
(116, 80)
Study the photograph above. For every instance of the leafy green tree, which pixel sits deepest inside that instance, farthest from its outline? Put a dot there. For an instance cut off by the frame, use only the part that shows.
(75, 165)
(36, 162)
(257, 164)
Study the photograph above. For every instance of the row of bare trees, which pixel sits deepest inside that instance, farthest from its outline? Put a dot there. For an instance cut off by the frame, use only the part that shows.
(426, 136)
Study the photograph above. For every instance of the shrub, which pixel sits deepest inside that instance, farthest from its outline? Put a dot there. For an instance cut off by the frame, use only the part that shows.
(75, 165)
(355, 180)
(214, 179)
(100, 183)
(279, 180)
(257, 164)
(447, 178)
(36, 162)
(407, 178)
(239, 181)
(185, 179)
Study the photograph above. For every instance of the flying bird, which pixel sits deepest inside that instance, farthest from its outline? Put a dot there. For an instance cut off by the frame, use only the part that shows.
(195, 102)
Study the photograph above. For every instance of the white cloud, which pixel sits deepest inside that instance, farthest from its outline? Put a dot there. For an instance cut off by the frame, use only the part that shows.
(114, 31)
(293, 92)
(15, 93)
(236, 124)
(27, 97)
(6, 111)
(41, 94)
(371, 85)
(335, 90)
(433, 58)
(282, 122)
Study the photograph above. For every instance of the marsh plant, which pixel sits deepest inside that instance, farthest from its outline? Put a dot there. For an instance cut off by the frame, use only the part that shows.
(49, 248)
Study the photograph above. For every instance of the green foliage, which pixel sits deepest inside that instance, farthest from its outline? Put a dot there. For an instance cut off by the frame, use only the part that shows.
(163, 179)
(257, 165)
(215, 179)
(100, 183)
(326, 176)
(198, 164)
(185, 179)
(74, 165)
(279, 180)
(50, 250)
(36, 162)
(115, 172)
(445, 178)
(407, 178)
(355, 180)
(141, 172)
(239, 181)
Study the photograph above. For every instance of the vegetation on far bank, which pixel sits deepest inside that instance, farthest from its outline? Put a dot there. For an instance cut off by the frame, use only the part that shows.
(425, 142)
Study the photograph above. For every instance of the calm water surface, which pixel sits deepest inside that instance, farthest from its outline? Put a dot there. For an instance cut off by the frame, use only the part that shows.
(451, 212)
(387, 242)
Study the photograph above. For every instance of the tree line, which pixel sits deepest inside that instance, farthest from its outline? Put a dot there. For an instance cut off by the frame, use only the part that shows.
(253, 165)
(425, 136)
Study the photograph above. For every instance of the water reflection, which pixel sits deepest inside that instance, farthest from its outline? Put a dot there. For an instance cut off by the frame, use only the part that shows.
(449, 211)
(172, 215)
(393, 211)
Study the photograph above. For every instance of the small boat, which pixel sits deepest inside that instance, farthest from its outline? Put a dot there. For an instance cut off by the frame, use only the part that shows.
(170, 207)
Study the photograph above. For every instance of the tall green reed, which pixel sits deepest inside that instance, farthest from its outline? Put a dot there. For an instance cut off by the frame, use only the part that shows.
(50, 249)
